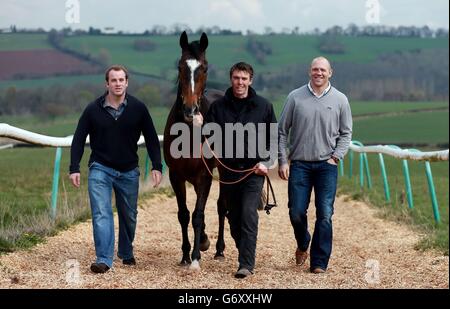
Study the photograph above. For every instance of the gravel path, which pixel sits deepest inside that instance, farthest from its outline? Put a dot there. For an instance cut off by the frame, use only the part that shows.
(368, 252)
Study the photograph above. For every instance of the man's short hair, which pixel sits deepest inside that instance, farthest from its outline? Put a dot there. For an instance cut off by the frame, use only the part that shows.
(116, 67)
(242, 66)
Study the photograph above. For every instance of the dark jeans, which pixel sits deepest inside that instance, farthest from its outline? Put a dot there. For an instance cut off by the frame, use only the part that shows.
(304, 176)
(242, 200)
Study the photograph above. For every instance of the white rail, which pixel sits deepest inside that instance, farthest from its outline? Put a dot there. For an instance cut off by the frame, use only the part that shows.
(39, 139)
(34, 138)
(403, 153)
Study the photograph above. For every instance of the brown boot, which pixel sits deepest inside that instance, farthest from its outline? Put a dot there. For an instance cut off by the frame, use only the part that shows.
(317, 270)
(300, 257)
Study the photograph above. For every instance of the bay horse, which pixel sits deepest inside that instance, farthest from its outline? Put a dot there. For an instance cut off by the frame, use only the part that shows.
(191, 100)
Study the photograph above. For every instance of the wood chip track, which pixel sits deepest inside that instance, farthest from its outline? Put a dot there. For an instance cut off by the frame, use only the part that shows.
(368, 252)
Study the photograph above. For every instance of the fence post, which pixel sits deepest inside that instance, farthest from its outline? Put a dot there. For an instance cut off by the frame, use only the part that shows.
(55, 182)
(387, 193)
(366, 168)
(408, 184)
(341, 167)
(147, 167)
(350, 163)
(361, 164)
(431, 190)
(434, 202)
(405, 168)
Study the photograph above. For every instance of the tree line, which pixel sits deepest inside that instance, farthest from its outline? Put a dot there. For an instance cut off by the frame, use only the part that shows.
(176, 29)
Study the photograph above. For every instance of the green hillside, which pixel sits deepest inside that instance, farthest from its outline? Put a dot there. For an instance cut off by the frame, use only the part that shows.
(225, 50)
(23, 41)
(69, 80)
(415, 128)
(362, 108)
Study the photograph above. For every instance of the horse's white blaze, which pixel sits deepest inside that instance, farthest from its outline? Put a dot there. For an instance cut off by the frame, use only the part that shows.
(193, 64)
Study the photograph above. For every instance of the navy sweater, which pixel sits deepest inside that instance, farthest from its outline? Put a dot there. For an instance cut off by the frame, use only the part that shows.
(114, 142)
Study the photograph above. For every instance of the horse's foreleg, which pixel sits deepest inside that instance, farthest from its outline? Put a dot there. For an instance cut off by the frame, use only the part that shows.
(221, 211)
(198, 223)
(179, 187)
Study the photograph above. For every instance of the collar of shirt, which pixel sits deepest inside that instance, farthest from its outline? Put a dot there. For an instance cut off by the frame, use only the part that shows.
(107, 104)
(323, 93)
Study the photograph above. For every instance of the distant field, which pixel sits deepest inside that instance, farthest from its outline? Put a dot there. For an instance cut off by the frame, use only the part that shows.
(226, 50)
(364, 108)
(64, 126)
(49, 81)
(41, 62)
(428, 127)
(68, 80)
(412, 128)
(223, 51)
(416, 128)
(23, 41)
(373, 107)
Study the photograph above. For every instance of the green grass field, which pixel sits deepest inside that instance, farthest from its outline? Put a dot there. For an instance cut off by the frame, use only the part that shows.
(415, 128)
(421, 216)
(224, 50)
(69, 80)
(23, 41)
(64, 126)
(25, 195)
(360, 108)
(287, 50)
(47, 82)
(365, 108)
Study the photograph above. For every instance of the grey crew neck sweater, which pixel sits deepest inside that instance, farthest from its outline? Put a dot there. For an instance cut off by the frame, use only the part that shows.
(318, 127)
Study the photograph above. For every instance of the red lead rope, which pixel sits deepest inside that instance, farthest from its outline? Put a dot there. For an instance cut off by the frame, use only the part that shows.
(248, 171)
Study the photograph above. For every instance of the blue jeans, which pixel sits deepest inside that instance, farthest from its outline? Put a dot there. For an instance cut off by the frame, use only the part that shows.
(102, 180)
(304, 176)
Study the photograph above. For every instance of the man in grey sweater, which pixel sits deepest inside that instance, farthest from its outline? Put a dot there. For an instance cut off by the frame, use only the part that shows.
(318, 120)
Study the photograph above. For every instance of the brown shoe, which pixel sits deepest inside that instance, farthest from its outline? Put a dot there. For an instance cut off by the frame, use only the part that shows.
(99, 268)
(300, 257)
(317, 270)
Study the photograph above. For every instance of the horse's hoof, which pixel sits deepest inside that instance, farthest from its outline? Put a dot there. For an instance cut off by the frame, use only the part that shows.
(185, 262)
(205, 245)
(219, 257)
(195, 266)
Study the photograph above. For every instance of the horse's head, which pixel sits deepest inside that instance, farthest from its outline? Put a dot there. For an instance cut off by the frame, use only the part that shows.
(192, 74)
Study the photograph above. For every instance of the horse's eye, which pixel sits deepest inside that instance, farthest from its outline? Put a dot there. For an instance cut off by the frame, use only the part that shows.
(205, 69)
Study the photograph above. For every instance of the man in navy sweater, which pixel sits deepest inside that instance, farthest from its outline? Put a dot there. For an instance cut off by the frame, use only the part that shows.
(114, 123)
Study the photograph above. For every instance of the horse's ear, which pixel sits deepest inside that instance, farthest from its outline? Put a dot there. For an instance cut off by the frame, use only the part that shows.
(184, 44)
(204, 42)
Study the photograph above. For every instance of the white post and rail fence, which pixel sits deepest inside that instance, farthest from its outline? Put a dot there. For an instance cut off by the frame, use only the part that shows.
(364, 172)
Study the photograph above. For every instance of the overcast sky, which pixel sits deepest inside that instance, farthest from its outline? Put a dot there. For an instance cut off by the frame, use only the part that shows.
(255, 15)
